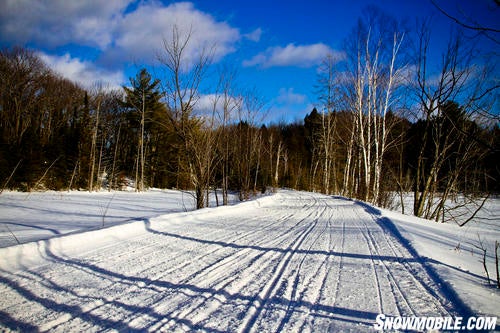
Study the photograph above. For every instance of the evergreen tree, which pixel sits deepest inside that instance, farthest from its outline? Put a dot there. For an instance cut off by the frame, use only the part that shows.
(143, 100)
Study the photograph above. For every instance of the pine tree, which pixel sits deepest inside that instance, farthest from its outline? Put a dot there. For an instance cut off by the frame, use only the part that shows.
(143, 99)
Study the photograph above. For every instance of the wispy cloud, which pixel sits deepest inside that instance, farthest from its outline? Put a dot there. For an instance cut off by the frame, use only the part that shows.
(255, 35)
(289, 96)
(289, 105)
(291, 55)
(215, 102)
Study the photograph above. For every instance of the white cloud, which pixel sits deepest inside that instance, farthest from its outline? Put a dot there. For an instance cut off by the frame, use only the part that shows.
(82, 72)
(58, 22)
(141, 33)
(291, 55)
(119, 31)
(288, 96)
(255, 35)
(206, 102)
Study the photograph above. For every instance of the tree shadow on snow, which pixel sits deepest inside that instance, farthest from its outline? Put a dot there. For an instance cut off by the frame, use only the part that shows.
(236, 246)
(451, 295)
(79, 303)
(164, 289)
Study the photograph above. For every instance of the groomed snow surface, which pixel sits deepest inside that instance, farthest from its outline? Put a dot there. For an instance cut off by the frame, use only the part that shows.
(291, 261)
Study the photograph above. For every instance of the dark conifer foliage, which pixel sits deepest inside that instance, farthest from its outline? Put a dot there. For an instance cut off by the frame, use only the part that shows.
(146, 118)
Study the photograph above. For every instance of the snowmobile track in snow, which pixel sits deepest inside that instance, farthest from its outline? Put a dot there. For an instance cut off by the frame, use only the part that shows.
(293, 261)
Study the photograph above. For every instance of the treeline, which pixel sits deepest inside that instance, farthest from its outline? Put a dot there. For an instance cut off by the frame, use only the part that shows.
(367, 140)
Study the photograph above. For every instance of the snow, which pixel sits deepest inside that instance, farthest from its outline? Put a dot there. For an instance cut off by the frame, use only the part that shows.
(26, 217)
(454, 252)
(292, 261)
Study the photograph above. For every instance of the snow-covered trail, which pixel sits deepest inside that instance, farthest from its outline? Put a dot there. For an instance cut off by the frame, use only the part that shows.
(289, 262)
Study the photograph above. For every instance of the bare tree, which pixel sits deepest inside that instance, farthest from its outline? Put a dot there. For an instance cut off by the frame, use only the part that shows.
(184, 74)
(329, 96)
(374, 73)
(449, 134)
(248, 139)
(97, 101)
(226, 102)
(470, 23)
(22, 75)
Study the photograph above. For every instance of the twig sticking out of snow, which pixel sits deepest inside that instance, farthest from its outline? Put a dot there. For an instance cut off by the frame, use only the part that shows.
(17, 240)
(482, 247)
(11, 174)
(105, 211)
(497, 246)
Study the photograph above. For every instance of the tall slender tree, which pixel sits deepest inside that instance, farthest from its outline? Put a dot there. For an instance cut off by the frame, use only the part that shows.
(447, 135)
(143, 98)
(184, 73)
(375, 70)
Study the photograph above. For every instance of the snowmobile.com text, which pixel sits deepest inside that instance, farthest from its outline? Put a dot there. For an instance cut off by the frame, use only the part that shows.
(383, 322)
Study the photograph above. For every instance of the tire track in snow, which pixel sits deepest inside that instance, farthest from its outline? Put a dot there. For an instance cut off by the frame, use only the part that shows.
(292, 265)
(257, 306)
(374, 254)
(415, 291)
(323, 292)
(213, 280)
(259, 264)
(204, 277)
(411, 297)
(212, 277)
(94, 270)
(314, 282)
(354, 298)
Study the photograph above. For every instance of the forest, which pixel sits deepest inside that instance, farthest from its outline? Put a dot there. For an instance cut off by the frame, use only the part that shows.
(385, 124)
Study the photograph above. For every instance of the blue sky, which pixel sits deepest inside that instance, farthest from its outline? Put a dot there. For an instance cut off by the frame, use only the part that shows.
(276, 46)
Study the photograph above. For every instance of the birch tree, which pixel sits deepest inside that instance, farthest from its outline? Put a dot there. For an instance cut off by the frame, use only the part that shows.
(376, 72)
(329, 97)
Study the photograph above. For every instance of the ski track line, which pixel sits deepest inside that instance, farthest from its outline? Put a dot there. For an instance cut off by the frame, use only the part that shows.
(246, 269)
(370, 242)
(60, 261)
(215, 281)
(341, 263)
(208, 269)
(356, 281)
(415, 281)
(262, 268)
(218, 299)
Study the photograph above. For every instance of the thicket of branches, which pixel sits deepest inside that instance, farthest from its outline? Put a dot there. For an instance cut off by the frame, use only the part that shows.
(385, 123)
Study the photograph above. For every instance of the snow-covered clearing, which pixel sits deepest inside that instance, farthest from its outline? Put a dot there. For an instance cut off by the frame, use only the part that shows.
(26, 217)
(292, 261)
